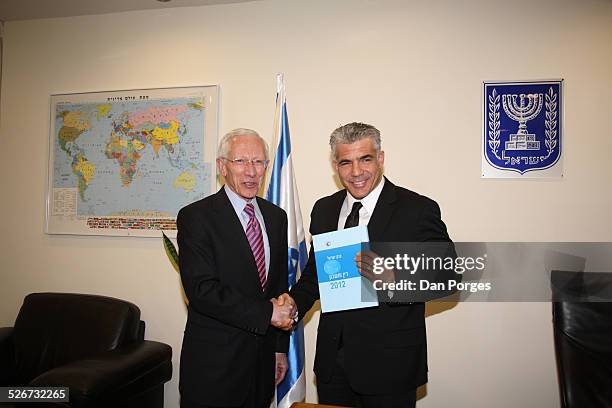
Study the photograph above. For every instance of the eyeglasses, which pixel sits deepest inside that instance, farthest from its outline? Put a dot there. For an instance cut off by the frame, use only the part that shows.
(257, 163)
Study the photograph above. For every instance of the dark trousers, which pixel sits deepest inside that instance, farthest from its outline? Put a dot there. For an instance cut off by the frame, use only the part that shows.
(254, 400)
(339, 392)
(257, 396)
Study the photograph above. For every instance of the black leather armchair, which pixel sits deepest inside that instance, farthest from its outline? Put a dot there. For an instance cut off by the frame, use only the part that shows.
(92, 344)
(582, 319)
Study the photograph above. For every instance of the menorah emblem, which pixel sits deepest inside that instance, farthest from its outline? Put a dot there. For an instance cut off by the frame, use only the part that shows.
(533, 104)
(521, 112)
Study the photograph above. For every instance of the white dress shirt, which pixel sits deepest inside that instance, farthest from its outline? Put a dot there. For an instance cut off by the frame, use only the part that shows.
(368, 202)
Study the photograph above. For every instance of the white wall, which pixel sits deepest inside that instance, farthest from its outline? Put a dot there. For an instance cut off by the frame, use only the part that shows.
(412, 68)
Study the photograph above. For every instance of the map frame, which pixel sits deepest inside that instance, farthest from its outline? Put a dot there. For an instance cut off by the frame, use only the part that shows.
(70, 223)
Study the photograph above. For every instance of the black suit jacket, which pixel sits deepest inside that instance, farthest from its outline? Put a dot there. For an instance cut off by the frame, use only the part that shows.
(228, 323)
(385, 347)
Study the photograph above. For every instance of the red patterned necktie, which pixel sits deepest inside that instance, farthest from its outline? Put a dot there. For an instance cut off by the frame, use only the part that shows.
(255, 238)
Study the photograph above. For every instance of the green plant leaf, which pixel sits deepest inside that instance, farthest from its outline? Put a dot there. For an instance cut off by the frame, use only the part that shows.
(170, 249)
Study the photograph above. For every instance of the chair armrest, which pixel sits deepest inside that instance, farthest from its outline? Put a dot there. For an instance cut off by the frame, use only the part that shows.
(7, 356)
(112, 375)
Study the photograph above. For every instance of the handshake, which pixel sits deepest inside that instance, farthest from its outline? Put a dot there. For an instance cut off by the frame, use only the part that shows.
(284, 312)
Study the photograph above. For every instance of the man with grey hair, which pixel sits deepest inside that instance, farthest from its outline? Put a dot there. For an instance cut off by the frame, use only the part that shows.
(224, 145)
(233, 263)
(373, 357)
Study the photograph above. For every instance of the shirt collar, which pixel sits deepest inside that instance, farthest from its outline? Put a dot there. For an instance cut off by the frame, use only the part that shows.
(237, 201)
(369, 201)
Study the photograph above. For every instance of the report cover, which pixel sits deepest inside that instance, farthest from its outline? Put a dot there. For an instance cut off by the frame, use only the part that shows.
(341, 287)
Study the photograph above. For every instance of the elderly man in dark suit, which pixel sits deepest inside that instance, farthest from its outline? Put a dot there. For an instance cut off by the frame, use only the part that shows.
(233, 261)
(373, 357)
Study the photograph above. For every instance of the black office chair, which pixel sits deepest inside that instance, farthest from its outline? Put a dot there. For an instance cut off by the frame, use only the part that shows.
(582, 319)
(92, 344)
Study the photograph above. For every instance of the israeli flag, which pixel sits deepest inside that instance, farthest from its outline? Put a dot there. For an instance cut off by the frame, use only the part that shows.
(282, 191)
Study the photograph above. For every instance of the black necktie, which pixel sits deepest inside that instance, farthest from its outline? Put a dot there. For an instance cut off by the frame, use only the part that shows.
(353, 218)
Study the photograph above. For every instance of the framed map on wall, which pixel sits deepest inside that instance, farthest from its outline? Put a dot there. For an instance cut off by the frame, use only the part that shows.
(125, 162)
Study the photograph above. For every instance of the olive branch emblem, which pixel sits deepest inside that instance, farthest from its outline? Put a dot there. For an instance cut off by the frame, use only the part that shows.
(550, 123)
(494, 122)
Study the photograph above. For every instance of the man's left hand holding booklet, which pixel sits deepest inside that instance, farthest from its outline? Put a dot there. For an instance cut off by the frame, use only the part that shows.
(341, 287)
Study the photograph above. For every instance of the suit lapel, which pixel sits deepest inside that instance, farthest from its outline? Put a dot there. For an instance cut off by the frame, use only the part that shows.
(235, 233)
(382, 212)
(336, 207)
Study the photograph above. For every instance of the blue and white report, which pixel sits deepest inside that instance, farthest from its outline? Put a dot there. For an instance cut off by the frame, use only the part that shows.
(341, 287)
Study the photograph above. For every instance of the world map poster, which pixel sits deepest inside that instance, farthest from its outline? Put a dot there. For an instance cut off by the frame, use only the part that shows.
(125, 162)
